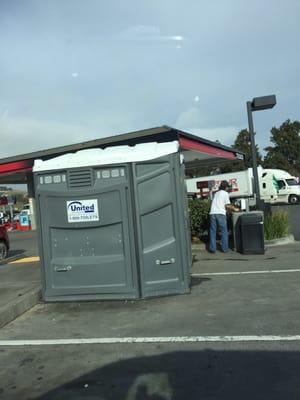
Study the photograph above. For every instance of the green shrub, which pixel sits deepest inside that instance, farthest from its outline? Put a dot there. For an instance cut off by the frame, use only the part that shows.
(199, 216)
(276, 225)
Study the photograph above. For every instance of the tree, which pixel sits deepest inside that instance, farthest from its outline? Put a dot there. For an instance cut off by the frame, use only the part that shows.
(285, 152)
(243, 144)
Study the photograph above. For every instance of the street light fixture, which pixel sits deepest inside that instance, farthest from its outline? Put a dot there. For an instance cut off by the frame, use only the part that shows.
(257, 104)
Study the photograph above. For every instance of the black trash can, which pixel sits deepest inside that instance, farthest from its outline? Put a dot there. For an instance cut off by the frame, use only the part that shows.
(250, 234)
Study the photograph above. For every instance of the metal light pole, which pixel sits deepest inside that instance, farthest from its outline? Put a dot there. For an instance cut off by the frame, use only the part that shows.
(257, 104)
(253, 154)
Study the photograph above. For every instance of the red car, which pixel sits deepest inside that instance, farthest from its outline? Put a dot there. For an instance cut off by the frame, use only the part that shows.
(4, 242)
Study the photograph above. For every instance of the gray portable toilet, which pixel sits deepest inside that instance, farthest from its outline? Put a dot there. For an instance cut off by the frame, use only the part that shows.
(113, 223)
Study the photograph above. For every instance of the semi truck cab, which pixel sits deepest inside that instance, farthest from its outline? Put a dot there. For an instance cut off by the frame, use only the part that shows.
(278, 186)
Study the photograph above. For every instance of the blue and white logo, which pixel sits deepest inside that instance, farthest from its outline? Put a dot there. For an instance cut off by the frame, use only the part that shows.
(83, 210)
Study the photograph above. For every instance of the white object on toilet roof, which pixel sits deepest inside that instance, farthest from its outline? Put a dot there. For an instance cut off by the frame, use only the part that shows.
(109, 155)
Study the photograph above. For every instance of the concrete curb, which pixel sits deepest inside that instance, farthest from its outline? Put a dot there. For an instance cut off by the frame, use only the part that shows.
(198, 247)
(17, 307)
(12, 258)
(280, 241)
(274, 242)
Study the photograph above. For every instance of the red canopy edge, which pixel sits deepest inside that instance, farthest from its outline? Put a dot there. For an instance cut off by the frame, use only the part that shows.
(189, 144)
(16, 166)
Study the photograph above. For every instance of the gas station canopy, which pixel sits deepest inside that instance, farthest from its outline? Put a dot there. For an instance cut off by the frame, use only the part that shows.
(197, 151)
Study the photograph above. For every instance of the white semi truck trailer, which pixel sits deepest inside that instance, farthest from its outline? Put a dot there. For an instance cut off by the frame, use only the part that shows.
(276, 186)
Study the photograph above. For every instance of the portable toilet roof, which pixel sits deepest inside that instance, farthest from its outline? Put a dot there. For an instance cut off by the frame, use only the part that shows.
(109, 155)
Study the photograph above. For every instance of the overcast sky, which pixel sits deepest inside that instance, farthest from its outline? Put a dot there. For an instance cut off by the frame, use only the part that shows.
(72, 70)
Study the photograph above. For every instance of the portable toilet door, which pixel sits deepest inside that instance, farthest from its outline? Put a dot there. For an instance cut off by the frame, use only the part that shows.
(162, 229)
(86, 233)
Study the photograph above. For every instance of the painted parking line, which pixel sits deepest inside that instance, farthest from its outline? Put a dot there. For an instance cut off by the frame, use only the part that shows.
(26, 260)
(270, 271)
(159, 339)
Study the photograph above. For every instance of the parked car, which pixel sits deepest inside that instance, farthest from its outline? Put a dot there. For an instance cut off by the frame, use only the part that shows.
(4, 242)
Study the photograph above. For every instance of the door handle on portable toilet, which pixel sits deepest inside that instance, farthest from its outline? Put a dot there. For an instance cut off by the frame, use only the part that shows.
(63, 269)
(165, 262)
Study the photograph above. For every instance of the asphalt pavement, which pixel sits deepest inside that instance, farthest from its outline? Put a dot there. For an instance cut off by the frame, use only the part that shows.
(237, 335)
(23, 243)
(153, 372)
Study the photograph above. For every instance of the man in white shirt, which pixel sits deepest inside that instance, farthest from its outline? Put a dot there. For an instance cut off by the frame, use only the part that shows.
(219, 205)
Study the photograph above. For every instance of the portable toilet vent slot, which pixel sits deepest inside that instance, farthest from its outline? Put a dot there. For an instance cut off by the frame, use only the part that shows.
(80, 178)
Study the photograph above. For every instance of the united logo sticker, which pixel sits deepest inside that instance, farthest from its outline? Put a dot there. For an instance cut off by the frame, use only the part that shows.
(83, 210)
